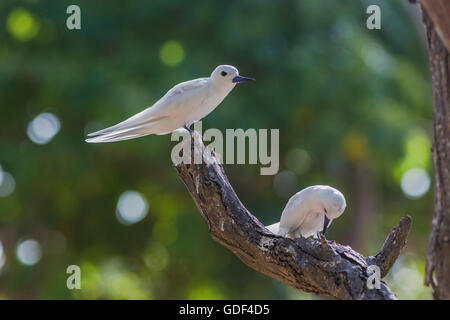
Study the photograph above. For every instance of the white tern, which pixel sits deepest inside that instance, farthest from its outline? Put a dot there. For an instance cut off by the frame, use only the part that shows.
(309, 212)
(181, 106)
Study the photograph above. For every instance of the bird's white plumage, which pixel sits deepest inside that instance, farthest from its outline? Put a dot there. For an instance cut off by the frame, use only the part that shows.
(305, 212)
(181, 106)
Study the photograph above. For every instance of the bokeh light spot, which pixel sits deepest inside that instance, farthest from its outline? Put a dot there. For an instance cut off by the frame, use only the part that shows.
(298, 160)
(417, 153)
(2, 257)
(22, 25)
(285, 183)
(171, 53)
(376, 58)
(355, 147)
(118, 282)
(43, 128)
(156, 258)
(7, 184)
(406, 278)
(206, 292)
(131, 207)
(415, 183)
(29, 252)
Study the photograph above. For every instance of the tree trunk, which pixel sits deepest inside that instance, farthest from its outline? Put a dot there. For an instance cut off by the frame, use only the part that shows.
(436, 18)
(322, 267)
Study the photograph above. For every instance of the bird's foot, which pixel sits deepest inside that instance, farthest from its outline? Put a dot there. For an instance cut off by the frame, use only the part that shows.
(323, 240)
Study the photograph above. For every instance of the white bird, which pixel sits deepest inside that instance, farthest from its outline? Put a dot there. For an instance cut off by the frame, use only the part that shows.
(181, 106)
(309, 212)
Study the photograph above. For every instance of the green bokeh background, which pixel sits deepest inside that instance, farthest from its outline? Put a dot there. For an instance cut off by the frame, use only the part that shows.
(353, 107)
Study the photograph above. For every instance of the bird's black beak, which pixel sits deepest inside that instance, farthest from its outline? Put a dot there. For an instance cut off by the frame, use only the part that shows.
(241, 79)
(326, 221)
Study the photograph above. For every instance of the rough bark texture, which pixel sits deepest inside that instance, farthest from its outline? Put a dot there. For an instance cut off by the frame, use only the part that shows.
(392, 246)
(436, 18)
(438, 12)
(322, 267)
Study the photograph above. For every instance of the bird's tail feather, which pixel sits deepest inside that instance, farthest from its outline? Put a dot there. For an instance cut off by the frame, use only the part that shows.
(141, 118)
(120, 135)
(124, 131)
(274, 227)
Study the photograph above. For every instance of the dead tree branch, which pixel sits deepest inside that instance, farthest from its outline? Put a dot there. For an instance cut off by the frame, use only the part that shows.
(392, 246)
(437, 25)
(322, 267)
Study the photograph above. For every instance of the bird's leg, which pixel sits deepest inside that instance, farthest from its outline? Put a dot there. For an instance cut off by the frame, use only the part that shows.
(321, 235)
(323, 240)
(188, 130)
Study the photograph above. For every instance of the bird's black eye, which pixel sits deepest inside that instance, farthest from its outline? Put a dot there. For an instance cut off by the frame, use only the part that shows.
(223, 73)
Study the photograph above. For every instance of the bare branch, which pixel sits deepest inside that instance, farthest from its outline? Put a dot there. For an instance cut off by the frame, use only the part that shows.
(437, 26)
(437, 11)
(392, 246)
(326, 268)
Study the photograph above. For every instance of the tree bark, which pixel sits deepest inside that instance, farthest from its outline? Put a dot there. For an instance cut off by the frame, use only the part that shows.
(322, 267)
(436, 18)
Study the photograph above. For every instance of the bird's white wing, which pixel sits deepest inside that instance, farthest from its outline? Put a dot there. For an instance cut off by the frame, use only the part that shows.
(185, 87)
(293, 215)
(141, 123)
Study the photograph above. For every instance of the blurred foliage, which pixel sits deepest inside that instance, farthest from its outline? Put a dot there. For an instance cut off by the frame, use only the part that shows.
(345, 99)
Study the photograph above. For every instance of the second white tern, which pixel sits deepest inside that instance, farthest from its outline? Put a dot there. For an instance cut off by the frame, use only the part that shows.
(309, 212)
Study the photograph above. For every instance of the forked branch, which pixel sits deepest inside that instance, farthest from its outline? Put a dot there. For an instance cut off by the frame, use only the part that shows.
(322, 267)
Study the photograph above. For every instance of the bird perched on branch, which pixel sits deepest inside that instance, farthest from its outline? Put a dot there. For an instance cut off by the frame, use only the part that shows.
(181, 106)
(309, 212)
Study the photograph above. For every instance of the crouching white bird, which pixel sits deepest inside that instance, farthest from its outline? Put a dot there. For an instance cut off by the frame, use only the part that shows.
(181, 106)
(309, 212)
